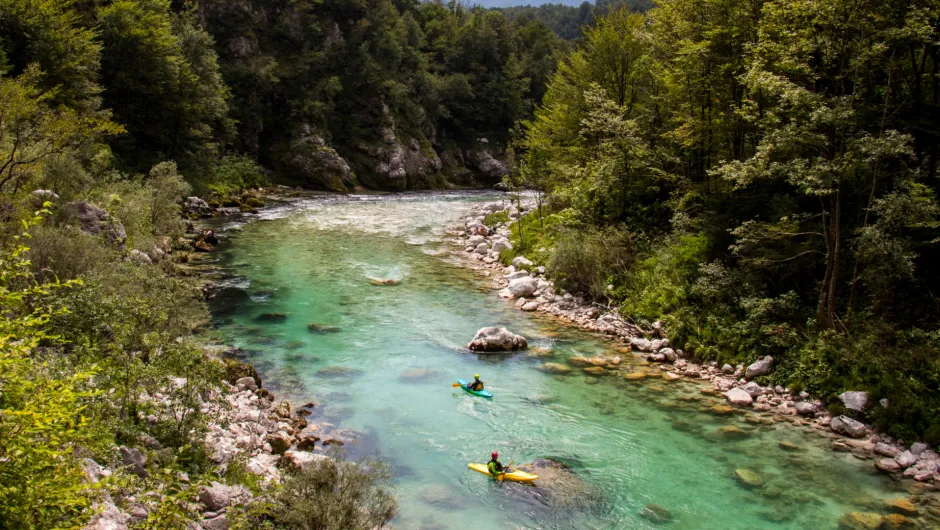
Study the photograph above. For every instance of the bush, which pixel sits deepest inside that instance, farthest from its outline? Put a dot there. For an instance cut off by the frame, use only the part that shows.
(232, 174)
(43, 422)
(660, 283)
(496, 218)
(587, 262)
(125, 320)
(336, 495)
(147, 207)
(66, 253)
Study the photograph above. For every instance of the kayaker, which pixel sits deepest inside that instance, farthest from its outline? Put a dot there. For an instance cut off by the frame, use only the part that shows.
(476, 385)
(494, 466)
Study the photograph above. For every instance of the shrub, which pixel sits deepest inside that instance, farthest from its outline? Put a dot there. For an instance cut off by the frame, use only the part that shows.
(232, 174)
(66, 253)
(42, 417)
(496, 218)
(336, 495)
(147, 207)
(586, 262)
(660, 283)
(125, 320)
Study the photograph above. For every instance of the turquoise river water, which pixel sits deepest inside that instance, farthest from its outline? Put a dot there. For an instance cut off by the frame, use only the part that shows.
(387, 374)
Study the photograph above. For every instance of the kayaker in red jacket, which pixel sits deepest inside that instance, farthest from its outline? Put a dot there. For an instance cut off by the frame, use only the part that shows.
(476, 384)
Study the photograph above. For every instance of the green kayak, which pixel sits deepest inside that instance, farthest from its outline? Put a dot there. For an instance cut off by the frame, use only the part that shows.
(482, 393)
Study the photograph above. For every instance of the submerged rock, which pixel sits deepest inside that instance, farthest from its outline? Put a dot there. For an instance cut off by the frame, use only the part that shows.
(322, 328)
(901, 506)
(338, 371)
(732, 432)
(539, 353)
(494, 339)
(896, 521)
(656, 513)
(748, 478)
(558, 485)
(860, 521)
(387, 281)
(419, 374)
(721, 410)
(271, 317)
(556, 368)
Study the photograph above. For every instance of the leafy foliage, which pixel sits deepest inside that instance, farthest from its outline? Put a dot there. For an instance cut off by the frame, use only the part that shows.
(784, 203)
(329, 495)
(43, 421)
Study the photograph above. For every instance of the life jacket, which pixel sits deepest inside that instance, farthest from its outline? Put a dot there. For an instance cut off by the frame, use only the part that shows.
(494, 467)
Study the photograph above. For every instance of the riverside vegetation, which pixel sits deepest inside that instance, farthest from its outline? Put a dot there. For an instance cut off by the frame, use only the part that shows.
(762, 176)
(759, 174)
(111, 113)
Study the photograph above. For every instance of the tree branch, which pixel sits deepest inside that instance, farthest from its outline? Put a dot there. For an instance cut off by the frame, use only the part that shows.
(790, 258)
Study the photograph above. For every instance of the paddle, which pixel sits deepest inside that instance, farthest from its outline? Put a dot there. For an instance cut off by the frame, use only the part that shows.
(499, 477)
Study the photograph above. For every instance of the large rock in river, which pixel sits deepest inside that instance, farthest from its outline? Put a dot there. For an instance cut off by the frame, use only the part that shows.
(493, 339)
(558, 486)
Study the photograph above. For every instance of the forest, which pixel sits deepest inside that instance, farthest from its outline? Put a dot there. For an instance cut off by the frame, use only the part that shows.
(111, 114)
(760, 175)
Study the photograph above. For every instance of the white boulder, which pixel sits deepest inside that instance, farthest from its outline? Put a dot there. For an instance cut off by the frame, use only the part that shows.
(494, 339)
(855, 400)
(738, 396)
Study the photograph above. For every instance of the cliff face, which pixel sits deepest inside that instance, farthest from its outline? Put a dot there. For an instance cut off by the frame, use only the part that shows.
(341, 95)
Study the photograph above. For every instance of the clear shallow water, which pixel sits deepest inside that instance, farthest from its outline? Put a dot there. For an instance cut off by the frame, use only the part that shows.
(633, 443)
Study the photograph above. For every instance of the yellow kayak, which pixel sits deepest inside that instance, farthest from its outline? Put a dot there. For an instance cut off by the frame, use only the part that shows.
(516, 476)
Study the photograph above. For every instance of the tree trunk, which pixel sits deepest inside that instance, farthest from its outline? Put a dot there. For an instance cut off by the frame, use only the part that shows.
(824, 288)
(836, 226)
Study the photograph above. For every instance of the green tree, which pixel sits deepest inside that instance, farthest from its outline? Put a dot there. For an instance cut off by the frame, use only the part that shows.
(162, 81)
(43, 419)
(49, 33)
(33, 129)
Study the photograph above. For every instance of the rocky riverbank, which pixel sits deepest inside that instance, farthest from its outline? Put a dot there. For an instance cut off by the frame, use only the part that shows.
(249, 429)
(249, 432)
(532, 291)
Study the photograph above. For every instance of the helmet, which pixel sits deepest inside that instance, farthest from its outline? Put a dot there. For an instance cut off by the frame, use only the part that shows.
(476, 376)
(495, 454)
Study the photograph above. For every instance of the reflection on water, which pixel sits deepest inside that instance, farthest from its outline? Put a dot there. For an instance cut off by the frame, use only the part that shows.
(385, 368)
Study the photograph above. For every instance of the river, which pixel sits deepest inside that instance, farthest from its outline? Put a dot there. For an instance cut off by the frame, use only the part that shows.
(387, 373)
